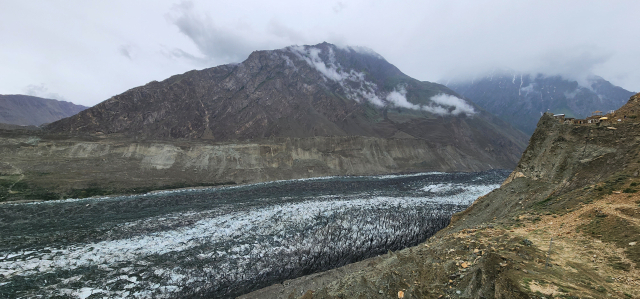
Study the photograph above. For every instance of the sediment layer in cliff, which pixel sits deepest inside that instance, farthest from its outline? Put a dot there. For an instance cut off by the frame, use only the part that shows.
(39, 167)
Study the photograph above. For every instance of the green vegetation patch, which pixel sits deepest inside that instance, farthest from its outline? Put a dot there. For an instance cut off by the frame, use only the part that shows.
(631, 212)
(6, 183)
(101, 191)
(617, 263)
(616, 230)
(27, 190)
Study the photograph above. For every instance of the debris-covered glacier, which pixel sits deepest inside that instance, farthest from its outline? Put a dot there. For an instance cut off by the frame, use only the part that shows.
(222, 242)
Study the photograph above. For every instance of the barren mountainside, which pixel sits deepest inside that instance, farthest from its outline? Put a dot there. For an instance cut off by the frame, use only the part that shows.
(520, 99)
(301, 91)
(34, 111)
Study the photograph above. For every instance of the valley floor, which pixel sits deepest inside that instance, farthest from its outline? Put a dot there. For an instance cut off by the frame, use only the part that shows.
(594, 253)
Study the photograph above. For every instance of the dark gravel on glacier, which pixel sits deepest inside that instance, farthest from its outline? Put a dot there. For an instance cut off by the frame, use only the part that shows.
(221, 242)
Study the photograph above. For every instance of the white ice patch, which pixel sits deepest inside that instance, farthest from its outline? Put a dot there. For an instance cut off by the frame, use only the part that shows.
(219, 230)
(86, 292)
(474, 191)
(437, 187)
(241, 244)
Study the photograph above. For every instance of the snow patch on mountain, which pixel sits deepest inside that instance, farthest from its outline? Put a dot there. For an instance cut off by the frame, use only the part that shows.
(357, 87)
(354, 83)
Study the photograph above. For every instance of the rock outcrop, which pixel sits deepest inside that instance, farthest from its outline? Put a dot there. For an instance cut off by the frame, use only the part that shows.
(45, 167)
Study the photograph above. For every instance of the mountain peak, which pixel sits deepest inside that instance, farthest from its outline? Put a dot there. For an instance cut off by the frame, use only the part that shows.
(298, 91)
(27, 110)
(520, 98)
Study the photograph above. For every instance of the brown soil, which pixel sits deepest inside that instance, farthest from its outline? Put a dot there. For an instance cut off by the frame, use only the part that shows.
(590, 247)
(509, 261)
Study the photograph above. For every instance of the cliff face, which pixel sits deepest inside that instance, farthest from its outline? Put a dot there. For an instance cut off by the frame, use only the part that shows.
(33, 111)
(39, 168)
(562, 158)
(564, 224)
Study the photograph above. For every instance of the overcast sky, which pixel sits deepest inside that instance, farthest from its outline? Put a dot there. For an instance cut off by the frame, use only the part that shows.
(87, 51)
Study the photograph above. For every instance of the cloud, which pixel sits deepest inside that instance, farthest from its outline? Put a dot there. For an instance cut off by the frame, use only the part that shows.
(358, 88)
(231, 44)
(277, 29)
(179, 53)
(338, 7)
(459, 105)
(216, 43)
(442, 104)
(398, 99)
(312, 56)
(576, 63)
(125, 50)
(42, 91)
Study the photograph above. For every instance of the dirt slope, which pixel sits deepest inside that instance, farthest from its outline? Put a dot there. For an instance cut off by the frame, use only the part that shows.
(566, 224)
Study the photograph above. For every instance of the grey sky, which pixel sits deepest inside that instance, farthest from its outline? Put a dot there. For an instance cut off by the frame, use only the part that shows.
(88, 51)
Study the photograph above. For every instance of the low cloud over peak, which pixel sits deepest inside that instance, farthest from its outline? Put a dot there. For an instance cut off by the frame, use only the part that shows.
(214, 42)
(81, 47)
(42, 91)
(441, 104)
(358, 88)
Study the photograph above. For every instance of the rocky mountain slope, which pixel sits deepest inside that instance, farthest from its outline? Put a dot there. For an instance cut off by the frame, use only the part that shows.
(521, 99)
(34, 111)
(300, 91)
(293, 113)
(565, 224)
